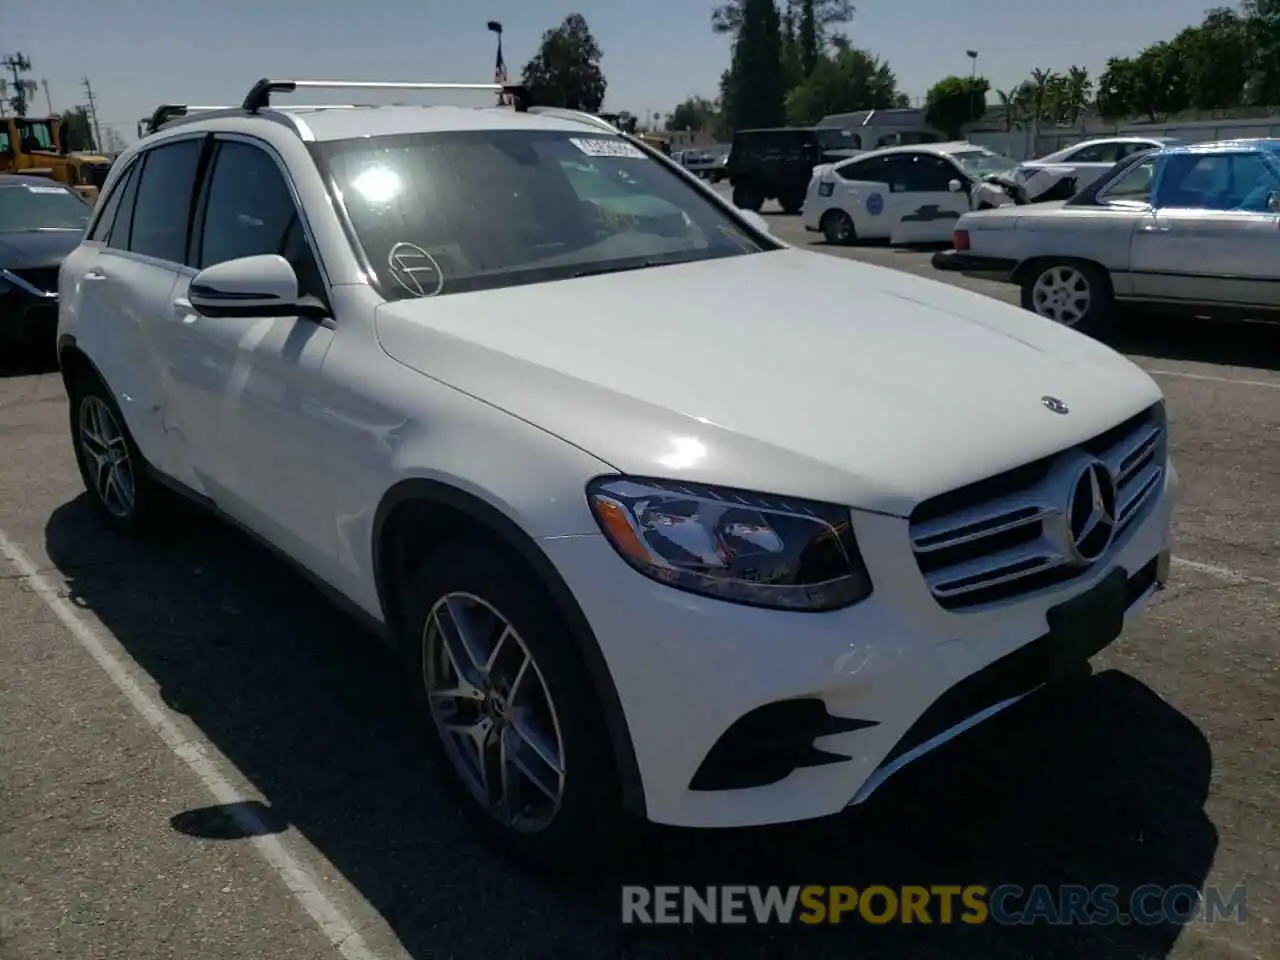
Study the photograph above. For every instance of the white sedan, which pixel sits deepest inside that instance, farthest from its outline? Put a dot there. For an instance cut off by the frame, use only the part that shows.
(908, 194)
(1081, 164)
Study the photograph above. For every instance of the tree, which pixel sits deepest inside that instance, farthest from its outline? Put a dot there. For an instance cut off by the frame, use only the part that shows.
(696, 113)
(565, 72)
(847, 80)
(1009, 107)
(1262, 25)
(808, 36)
(756, 88)
(727, 18)
(954, 101)
(1116, 89)
(1159, 81)
(76, 131)
(1215, 57)
(1077, 88)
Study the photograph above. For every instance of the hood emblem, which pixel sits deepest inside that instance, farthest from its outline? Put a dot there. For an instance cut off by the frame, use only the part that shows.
(1091, 513)
(1055, 405)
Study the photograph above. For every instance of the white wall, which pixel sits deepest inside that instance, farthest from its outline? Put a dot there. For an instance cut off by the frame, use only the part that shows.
(1021, 145)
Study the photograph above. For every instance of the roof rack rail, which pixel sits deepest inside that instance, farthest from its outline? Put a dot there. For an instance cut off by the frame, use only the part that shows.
(260, 96)
(603, 122)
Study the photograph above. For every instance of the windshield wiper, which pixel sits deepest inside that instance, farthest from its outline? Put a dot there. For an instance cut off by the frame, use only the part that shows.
(600, 271)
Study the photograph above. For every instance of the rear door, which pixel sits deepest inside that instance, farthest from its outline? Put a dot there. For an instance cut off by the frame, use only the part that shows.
(123, 285)
(860, 189)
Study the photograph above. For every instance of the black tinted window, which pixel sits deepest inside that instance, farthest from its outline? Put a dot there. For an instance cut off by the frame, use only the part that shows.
(920, 173)
(102, 229)
(122, 226)
(451, 212)
(875, 170)
(249, 209)
(164, 201)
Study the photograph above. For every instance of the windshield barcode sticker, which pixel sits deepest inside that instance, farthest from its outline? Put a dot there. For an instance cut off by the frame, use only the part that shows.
(47, 189)
(611, 147)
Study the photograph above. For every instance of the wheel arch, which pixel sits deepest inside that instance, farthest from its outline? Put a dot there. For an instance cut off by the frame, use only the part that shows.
(1026, 268)
(420, 508)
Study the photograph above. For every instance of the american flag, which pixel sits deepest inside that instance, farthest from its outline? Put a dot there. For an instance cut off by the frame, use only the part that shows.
(500, 74)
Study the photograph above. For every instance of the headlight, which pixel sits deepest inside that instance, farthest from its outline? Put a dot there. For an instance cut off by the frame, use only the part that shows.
(743, 547)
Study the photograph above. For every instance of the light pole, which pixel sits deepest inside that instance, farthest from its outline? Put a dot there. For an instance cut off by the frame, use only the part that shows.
(499, 65)
(973, 81)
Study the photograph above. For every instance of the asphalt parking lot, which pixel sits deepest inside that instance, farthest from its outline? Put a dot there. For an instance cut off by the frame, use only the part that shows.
(200, 759)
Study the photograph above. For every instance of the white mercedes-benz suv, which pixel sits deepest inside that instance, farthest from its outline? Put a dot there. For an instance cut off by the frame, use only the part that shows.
(668, 519)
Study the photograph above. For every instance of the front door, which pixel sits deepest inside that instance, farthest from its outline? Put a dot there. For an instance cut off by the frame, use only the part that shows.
(922, 205)
(258, 377)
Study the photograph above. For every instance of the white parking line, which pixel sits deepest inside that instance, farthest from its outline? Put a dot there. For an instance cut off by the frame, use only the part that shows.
(1274, 385)
(205, 761)
(1223, 573)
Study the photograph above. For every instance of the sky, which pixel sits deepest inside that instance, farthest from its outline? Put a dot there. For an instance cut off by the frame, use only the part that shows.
(139, 53)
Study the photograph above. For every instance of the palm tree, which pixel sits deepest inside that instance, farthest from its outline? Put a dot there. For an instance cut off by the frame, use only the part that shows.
(1042, 84)
(1009, 105)
(1079, 88)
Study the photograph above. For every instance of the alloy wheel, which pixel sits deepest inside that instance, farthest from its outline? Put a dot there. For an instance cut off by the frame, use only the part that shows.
(494, 712)
(106, 454)
(1062, 294)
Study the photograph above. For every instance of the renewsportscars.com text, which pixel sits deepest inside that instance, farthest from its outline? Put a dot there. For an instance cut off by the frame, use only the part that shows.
(1008, 904)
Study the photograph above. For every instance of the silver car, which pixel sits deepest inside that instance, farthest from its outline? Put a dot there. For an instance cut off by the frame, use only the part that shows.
(1192, 228)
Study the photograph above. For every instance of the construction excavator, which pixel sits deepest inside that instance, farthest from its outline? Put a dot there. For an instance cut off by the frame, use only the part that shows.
(32, 146)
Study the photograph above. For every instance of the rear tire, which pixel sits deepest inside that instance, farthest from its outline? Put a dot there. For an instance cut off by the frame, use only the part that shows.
(791, 202)
(747, 196)
(116, 476)
(1071, 292)
(527, 700)
(837, 227)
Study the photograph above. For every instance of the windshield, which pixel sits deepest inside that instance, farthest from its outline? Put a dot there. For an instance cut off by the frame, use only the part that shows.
(35, 134)
(835, 139)
(37, 207)
(981, 163)
(443, 213)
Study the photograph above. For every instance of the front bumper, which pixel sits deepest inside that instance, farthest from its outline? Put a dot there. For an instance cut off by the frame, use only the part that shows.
(971, 264)
(893, 673)
(27, 320)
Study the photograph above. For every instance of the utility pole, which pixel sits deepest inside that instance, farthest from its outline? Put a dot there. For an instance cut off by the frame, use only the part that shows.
(17, 64)
(93, 114)
(48, 100)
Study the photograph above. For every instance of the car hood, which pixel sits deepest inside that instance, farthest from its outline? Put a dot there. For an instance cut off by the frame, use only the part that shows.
(36, 248)
(786, 372)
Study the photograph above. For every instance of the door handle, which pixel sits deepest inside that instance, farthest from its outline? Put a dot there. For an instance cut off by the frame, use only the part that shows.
(95, 274)
(1153, 228)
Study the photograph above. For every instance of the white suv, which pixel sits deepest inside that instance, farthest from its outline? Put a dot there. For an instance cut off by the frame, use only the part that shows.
(666, 517)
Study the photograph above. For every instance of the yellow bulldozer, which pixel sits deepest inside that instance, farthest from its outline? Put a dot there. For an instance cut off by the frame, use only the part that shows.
(32, 146)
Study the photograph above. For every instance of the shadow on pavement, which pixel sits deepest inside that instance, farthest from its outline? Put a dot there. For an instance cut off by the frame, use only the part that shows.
(1233, 343)
(25, 361)
(1098, 782)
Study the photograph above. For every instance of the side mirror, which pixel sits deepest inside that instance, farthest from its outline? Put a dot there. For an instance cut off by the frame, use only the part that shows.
(757, 221)
(259, 286)
(1273, 201)
(955, 186)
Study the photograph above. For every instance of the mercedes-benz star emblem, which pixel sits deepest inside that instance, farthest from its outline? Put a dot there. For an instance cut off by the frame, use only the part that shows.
(1091, 512)
(1055, 405)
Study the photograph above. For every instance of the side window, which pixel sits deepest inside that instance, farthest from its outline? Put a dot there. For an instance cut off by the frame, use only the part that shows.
(122, 225)
(875, 170)
(163, 208)
(921, 173)
(1134, 184)
(102, 228)
(1096, 153)
(249, 211)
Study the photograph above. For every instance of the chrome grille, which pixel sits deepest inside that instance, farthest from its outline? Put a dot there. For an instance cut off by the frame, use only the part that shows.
(1008, 535)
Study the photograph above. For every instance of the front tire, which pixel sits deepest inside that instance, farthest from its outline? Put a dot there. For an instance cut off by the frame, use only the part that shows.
(115, 474)
(512, 718)
(1070, 292)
